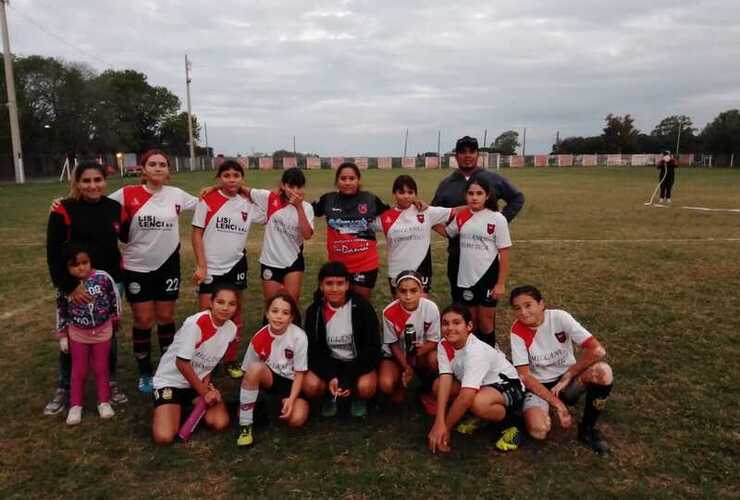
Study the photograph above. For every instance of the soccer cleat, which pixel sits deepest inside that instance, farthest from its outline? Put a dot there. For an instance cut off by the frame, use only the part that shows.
(358, 408)
(74, 416)
(592, 438)
(509, 440)
(234, 370)
(329, 407)
(469, 425)
(105, 410)
(57, 402)
(245, 436)
(117, 396)
(145, 384)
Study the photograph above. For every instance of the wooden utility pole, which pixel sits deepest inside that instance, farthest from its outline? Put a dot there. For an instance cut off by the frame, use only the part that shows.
(190, 115)
(15, 130)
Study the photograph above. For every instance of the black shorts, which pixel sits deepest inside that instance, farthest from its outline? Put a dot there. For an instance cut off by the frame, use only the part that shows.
(481, 294)
(174, 396)
(425, 270)
(340, 367)
(237, 276)
(365, 279)
(280, 387)
(278, 273)
(511, 390)
(161, 285)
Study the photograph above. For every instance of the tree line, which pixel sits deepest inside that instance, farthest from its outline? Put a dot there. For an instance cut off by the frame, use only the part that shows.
(67, 107)
(720, 136)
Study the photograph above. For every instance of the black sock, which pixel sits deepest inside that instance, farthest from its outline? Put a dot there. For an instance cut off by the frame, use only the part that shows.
(596, 396)
(142, 338)
(165, 334)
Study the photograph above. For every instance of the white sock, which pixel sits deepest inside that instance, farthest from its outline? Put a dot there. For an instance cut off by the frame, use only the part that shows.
(247, 400)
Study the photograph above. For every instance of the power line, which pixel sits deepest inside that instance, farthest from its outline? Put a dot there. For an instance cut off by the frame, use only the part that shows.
(58, 37)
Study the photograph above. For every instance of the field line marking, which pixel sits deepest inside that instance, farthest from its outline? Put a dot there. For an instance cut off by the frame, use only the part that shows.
(707, 209)
(639, 240)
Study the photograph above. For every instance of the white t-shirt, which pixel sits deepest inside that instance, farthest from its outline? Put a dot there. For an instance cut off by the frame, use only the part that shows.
(476, 365)
(226, 221)
(285, 354)
(482, 234)
(198, 340)
(154, 229)
(548, 349)
(408, 235)
(425, 320)
(283, 241)
(339, 336)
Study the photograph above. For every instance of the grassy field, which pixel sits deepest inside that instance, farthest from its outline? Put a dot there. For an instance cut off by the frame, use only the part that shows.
(659, 287)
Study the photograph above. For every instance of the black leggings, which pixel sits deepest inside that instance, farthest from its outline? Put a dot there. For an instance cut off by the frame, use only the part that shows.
(665, 187)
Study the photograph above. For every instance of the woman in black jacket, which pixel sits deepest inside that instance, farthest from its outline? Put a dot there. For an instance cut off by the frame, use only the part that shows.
(343, 343)
(93, 220)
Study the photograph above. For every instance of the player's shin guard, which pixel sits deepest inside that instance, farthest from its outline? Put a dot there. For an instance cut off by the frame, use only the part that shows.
(247, 401)
(596, 396)
(165, 334)
(142, 338)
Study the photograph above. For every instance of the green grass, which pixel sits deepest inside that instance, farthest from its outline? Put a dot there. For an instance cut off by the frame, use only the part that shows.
(666, 307)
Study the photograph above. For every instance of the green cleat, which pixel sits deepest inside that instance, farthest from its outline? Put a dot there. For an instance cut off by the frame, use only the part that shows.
(509, 440)
(329, 407)
(234, 370)
(245, 436)
(358, 408)
(469, 425)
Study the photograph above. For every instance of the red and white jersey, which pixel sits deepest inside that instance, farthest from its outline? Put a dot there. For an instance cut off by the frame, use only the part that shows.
(339, 336)
(482, 234)
(476, 365)
(547, 349)
(283, 241)
(408, 235)
(226, 221)
(425, 320)
(152, 219)
(285, 354)
(201, 342)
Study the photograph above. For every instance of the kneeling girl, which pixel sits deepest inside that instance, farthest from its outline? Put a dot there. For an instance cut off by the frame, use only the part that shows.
(276, 361)
(184, 372)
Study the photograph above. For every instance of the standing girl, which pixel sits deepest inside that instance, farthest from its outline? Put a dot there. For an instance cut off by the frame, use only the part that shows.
(484, 255)
(184, 372)
(220, 228)
(93, 220)
(410, 336)
(289, 222)
(408, 232)
(350, 234)
(86, 329)
(276, 361)
(343, 343)
(151, 257)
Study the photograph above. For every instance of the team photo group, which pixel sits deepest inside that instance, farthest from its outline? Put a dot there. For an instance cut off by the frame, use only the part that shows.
(342, 350)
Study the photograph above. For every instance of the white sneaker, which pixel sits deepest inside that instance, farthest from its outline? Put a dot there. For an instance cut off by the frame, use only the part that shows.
(105, 410)
(74, 417)
(661, 200)
(668, 200)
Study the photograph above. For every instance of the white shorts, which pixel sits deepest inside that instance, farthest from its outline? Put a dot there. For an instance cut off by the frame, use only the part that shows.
(570, 395)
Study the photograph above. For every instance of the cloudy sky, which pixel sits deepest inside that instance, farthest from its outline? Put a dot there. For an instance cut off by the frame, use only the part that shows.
(349, 77)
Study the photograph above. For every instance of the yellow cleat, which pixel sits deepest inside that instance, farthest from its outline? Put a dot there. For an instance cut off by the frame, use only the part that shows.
(509, 440)
(469, 425)
(234, 370)
(245, 436)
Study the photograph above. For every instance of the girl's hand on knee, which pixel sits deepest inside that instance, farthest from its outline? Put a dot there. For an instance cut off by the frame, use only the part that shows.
(212, 397)
(562, 384)
(287, 409)
(564, 416)
(407, 375)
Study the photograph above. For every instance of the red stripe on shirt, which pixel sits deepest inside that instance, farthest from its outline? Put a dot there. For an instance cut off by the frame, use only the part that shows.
(207, 329)
(524, 332)
(388, 218)
(462, 217)
(262, 343)
(134, 197)
(215, 201)
(398, 317)
(59, 209)
(328, 313)
(449, 350)
(274, 203)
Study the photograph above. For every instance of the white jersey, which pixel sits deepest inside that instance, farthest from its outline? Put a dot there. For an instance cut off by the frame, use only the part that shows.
(482, 234)
(226, 221)
(476, 365)
(547, 349)
(339, 336)
(201, 342)
(283, 242)
(285, 354)
(154, 229)
(425, 320)
(408, 235)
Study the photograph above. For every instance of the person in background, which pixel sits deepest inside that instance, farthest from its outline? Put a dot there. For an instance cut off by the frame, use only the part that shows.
(666, 175)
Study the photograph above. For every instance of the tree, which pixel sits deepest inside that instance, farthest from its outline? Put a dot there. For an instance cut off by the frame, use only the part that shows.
(665, 134)
(619, 134)
(506, 143)
(722, 135)
(580, 145)
(173, 134)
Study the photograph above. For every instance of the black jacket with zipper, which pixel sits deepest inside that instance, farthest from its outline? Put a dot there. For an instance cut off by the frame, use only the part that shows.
(365, 342)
